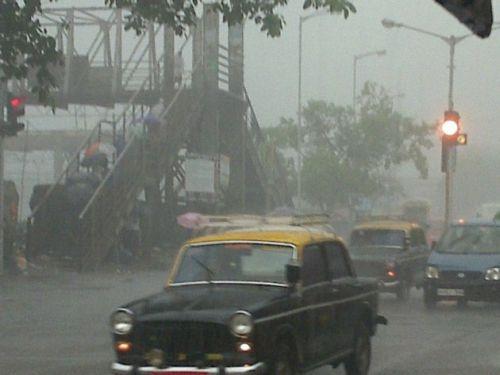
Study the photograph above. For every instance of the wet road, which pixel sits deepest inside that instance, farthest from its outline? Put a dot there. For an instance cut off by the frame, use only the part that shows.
(58, 325)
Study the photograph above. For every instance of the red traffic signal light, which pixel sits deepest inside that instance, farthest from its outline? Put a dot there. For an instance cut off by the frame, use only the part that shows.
(16, 102)
(450, 127)
(15, 107)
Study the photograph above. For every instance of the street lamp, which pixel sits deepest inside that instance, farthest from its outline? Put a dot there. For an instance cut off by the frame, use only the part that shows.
(356, 58)
(302, 19)
(451, 41)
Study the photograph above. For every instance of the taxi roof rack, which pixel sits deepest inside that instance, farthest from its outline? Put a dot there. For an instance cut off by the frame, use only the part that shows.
(297, 220)
(369, 218)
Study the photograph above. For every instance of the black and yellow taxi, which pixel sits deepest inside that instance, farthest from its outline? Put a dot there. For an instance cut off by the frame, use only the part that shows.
(391, 250)
(264, 300)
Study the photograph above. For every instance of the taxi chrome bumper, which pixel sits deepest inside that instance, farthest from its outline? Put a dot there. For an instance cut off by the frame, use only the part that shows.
(121, 369)
(387, 285)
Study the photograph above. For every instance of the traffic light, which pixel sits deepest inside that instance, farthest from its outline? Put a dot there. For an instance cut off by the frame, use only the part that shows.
(450, 136)
(15, 109)
(462, 140)
(450, 128)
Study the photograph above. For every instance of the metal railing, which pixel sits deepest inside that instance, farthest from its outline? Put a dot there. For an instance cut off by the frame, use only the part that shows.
(102, 218)
(269, 169)
(74, 164)
(127, 117)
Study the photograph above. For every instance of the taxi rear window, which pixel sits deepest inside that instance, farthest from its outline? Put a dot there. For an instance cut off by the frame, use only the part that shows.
(377, 237)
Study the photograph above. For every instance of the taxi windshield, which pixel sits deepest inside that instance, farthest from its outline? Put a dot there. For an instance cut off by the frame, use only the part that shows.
(471, 239)
(234, 262)
(363, 238)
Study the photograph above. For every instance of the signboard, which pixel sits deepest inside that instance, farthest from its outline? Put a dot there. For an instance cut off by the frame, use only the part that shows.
(207, 177)
(200, 175)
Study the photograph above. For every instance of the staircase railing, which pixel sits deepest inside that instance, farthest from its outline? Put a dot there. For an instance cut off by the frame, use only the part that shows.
(103, 217)
(96, 135)
(273, 183)
(127, 117)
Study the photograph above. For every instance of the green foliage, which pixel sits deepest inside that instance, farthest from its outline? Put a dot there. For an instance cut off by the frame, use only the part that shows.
(344, 158)
(180, 14)
(22, 35)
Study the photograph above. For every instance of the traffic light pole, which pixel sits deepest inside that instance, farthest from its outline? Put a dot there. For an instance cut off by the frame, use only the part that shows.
(3, 100)
(448, 179)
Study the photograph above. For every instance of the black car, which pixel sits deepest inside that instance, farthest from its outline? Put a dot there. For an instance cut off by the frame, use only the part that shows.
(395, 252)
(465, 265)
(280, 301)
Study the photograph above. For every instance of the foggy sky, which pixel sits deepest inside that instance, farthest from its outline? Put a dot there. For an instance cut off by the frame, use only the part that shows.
(415, 65)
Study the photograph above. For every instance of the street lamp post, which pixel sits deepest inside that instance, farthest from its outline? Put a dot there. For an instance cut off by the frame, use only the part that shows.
(302, 19)
(355, 59)
(451, 41)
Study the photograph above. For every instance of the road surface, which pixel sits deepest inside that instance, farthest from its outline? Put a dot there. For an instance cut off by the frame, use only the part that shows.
(58, 324)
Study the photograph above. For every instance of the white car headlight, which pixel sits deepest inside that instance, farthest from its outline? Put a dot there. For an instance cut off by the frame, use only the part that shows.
(241, 324)
(432, 272)
(493, 274)
(122, 322)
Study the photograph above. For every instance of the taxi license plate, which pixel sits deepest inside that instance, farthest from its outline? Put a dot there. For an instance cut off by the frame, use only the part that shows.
(450, 292)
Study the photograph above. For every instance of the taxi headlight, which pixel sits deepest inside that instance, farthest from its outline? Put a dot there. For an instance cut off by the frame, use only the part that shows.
(432, 272)
(122, 322)
(241, 324)
(493, 274)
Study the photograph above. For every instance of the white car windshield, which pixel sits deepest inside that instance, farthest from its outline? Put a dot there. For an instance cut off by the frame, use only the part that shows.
(471, 239)
(234, 262)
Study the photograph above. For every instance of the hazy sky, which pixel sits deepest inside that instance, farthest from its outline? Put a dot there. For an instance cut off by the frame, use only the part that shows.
(415, 65)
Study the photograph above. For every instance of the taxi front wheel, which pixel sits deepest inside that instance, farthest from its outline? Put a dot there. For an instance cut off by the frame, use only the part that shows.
(358, 362)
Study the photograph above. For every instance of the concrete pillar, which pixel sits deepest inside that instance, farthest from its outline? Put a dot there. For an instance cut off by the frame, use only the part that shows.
(168, 63)
(197, 68)
(211, 46)
(70, 49)
(207, 137)
(117, 66)
(235, 46)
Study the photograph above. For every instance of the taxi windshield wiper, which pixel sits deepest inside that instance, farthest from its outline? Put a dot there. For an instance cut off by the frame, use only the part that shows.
(210, 273)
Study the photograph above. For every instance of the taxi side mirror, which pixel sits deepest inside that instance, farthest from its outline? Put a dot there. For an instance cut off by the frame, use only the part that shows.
(292, 272)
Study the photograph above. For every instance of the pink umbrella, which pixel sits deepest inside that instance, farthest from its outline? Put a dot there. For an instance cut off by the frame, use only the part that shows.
(191, 220)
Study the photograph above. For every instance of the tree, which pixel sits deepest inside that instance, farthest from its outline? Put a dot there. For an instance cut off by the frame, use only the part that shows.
(22, 34)
(344, 159)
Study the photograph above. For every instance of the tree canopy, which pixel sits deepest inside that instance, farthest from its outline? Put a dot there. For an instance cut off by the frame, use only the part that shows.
(25, 43)
(345, 157)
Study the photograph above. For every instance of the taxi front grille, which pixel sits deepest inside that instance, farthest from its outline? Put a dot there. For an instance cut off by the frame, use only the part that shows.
(457, 276)
(186, 342)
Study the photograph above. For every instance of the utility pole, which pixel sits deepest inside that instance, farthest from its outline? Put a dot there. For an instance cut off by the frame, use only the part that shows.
(452, 152)
(302, 19)
(449, 159)
(299, 122)
(3, 102)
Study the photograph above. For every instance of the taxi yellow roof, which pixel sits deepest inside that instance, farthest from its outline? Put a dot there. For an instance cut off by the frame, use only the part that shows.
(294, 235)
(387, 224)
